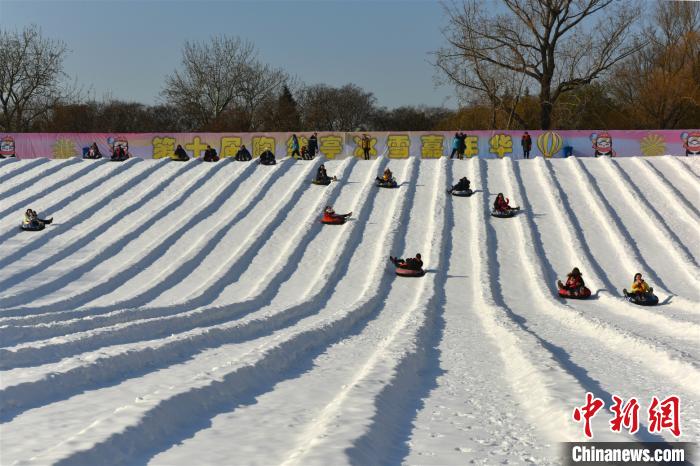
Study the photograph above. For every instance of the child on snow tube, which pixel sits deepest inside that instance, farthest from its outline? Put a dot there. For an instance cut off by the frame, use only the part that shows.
(574, 287)
(461, 188)
(387, 179)
(640, 292)
(93, 152)
(501, 207)
(32, 222)
(331, 218)
(411, 267)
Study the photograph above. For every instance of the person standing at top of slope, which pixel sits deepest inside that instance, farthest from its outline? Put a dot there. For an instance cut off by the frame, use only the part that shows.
(366, 144)
(312, 146)
(295, 147)
(462, 145)
(574, 282)
(455, 145)
(526, 143)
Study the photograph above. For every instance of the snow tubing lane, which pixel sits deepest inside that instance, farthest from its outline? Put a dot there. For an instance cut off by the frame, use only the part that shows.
(321, 182)
(401, 272)
(567, 294)
(466, 193)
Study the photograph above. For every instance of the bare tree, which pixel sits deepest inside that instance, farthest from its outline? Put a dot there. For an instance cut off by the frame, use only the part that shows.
(31, 77)
(549, 42)
(327, 108)
(661, 87)
(261, 84)
(212, 77)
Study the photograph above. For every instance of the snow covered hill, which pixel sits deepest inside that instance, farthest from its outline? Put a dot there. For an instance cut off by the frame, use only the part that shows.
(192, 313)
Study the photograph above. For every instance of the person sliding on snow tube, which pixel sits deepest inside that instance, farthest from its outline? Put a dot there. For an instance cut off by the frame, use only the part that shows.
(322, 176)
(411, 267)
(243, 155)
(210, 155)
(305, 153)
(180, 154)
(267, 157)
(331, 218)
(93, 152)
(32, 222)
(641, 293)
(501, 207)
(119, 154)
(461, 188)
(574, 287)
(386, 180)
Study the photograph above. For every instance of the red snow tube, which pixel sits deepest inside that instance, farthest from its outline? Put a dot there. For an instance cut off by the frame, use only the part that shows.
(401, 272)
(567, 294)
(333, 220)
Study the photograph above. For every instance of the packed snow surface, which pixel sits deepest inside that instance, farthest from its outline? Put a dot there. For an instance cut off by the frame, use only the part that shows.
(200, 314)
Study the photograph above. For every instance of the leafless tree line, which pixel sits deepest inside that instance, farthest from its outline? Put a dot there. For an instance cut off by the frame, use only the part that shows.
(591, 63)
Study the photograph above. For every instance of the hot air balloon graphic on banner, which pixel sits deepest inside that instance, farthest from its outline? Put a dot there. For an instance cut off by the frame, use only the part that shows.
(549, 143)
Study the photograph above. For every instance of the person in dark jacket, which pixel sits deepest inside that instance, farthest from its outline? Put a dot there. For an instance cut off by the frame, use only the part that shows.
(119, 154)
(243, 154)
(210, 155)
(312, 146)
(31, 218)
(267, 157)
(93, 152)
(180, 154)
(462, 146)
(462, 185)
(412, 263)
(526, 143)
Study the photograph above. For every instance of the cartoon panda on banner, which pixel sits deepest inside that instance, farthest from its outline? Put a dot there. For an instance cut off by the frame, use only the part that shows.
(602, 144)
(7, 147)
(691, 143)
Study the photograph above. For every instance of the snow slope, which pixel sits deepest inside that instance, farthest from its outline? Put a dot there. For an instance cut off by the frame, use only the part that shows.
(193, 313)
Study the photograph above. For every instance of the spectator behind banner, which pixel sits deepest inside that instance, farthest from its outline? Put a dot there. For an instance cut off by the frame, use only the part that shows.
(526, 143)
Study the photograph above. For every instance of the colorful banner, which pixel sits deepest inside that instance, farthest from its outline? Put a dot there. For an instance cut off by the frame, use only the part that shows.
(398, 144)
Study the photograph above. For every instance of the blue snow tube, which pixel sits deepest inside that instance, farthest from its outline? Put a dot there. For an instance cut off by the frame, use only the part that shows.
(648, 299)
(33, 226)
(466, 193)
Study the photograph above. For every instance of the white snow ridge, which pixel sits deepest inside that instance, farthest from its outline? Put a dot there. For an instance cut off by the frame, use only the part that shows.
(200, 314)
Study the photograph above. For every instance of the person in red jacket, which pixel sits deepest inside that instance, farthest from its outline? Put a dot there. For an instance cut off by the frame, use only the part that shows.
(412, 263)
(501, 204)
(574, 282)
(329, 214)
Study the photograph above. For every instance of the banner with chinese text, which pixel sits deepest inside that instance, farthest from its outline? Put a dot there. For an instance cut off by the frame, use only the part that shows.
(398, 144)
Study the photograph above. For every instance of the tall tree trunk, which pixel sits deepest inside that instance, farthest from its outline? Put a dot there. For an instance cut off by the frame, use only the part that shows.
(545, 106)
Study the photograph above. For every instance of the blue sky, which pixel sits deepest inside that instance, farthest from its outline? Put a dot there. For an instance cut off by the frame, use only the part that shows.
(128, 47)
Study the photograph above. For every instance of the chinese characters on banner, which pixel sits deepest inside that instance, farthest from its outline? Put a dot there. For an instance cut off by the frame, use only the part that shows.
(660, 415)
(338, 145)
